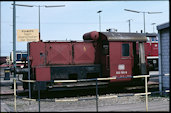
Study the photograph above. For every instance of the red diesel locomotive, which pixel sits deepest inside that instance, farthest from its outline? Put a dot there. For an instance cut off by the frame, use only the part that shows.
(99, 55)
(151, 51)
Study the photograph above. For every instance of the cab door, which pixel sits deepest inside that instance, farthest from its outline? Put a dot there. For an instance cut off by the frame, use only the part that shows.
(121, 57)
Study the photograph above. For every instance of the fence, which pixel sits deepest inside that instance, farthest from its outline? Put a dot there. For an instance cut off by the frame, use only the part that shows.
(146, 93)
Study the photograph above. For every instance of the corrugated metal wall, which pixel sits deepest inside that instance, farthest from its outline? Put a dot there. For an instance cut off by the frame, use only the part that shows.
(165, 57)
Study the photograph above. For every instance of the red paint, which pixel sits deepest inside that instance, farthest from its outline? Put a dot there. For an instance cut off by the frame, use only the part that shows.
(91, 36)
(116, 59)
(84, 53)
(151, 49)
(43, 74)
(58, 53)
(61, 53)
(37, 53)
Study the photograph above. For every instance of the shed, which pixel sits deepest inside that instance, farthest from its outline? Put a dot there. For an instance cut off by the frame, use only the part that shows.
(164, 56)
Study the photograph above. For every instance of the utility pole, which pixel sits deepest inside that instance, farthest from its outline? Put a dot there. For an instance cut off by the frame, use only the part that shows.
(14, 38)
(153, 26)
(0, 28)
(39, 22)
(99, 20)
(129, 21)
(144, 20)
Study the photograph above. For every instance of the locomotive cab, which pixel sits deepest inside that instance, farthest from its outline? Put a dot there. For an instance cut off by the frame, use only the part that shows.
(121, 54)
(123, 59)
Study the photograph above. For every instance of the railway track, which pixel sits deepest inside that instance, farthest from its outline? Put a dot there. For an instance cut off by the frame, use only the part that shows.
(91, 92)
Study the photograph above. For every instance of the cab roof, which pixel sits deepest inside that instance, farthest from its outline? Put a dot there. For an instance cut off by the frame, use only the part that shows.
(122, 36)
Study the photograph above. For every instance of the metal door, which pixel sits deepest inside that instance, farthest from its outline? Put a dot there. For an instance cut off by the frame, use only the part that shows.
(121, 57)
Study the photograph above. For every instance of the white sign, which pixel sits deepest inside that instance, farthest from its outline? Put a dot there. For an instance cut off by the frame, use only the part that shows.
(121, 67)
(27, 35)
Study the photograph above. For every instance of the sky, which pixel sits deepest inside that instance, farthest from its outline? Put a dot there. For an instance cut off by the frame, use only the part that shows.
(77, 18)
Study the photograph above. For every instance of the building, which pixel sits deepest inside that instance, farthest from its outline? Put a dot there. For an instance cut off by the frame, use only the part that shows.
(164, 56)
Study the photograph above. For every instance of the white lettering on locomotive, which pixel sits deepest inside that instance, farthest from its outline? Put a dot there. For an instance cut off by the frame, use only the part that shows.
(121, 72)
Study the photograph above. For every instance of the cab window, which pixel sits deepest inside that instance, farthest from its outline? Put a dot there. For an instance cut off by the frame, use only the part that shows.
(125, 49)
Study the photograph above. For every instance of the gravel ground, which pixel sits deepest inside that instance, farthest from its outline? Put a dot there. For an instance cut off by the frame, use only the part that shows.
(129, 103)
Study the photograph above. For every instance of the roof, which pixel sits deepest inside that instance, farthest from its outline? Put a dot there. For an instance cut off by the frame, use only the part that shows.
(163, 26)
(151, 34)
(121, 36)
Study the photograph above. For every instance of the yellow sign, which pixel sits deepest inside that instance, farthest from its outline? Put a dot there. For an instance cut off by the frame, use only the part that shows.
(84, 48)
(27, 35)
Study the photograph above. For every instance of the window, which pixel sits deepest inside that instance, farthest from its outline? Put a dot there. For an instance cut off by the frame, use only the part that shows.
(148, 39)
(18, 57)
(105, 49)
(24, 56)
(125, 49)
(154, 39)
